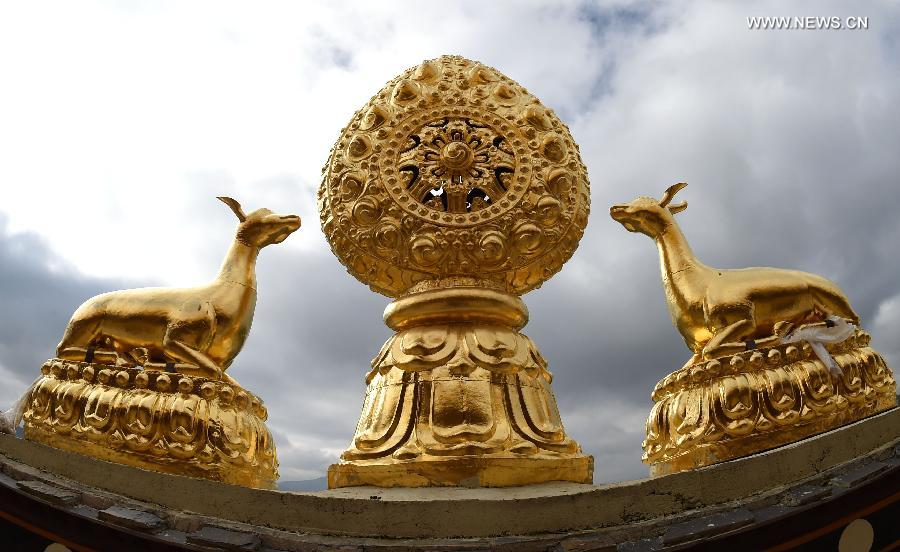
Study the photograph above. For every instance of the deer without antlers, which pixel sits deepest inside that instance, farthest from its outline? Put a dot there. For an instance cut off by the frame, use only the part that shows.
(721, 312)
(203, 327)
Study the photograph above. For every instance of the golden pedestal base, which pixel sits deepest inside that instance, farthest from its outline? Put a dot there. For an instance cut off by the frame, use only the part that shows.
(757, 400)
(472, 471)
(158, 421)
(458, 396)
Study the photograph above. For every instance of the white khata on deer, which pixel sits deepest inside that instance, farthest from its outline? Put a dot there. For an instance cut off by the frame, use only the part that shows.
(140, 378)
(778, 354)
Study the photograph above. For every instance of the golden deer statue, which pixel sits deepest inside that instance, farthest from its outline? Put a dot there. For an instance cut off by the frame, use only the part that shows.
(718, 311)
(778, 354)
(201, 328)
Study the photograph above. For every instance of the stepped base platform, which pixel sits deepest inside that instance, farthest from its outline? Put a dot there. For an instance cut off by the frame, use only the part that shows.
(764, 398)
(150, 419)
(813, 492)
(467, 472)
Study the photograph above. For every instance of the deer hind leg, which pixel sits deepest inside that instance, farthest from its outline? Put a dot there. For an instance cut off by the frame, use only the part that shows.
(175, 347)
(830, 303)
(730, 339)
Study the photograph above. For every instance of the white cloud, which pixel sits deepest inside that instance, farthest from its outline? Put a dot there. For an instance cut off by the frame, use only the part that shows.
(120, 122)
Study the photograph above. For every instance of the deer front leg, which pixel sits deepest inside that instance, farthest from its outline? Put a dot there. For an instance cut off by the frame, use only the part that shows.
(80, 334)
(729, 340)
(178, 349)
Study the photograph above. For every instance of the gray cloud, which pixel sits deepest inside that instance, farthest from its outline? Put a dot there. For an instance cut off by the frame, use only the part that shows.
(789, 140)
(38, 294)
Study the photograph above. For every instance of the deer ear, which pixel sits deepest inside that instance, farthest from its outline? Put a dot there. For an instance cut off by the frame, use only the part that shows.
(235, 206)
(677, 208)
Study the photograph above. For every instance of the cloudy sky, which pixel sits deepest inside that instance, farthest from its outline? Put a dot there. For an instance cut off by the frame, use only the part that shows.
(120, 122)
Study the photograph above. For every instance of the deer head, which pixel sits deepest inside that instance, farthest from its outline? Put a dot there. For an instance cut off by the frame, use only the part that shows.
(262, 227)
(648, 215)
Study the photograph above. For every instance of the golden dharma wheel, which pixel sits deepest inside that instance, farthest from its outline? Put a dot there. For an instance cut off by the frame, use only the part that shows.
(453, 174)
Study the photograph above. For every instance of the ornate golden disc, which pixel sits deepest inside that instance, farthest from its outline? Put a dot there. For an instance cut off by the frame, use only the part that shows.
(454, 172)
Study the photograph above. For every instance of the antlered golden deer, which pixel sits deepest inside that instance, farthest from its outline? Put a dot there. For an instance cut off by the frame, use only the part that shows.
(203, 326)
(719, 311)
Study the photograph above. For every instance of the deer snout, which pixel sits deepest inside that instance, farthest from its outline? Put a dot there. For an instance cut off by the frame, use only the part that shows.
(623, 214)
(291, 221)
(617, 212)
(286, 226)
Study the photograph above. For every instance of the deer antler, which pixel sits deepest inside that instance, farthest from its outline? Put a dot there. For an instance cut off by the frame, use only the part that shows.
(670, 193)
(235, 206)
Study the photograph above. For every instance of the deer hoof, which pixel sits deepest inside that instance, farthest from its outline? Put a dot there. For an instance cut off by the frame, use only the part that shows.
(783, 328)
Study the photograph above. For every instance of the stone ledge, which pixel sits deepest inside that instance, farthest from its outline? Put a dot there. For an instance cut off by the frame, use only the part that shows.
(695, 529)
(48, 493)
(805, 494)
(225, 539)
(429, 513)
(721, 526)
(132, 519)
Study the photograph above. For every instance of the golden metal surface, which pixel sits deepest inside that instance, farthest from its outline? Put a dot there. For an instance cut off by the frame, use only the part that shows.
(747, 389)
(194, 421)
(460, 397)
(455, 173)
(202, 328)
(454, 190)
(753, 401)
(153, 420)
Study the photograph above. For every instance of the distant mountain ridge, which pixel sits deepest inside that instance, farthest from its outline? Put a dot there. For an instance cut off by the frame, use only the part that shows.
(317, 484)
